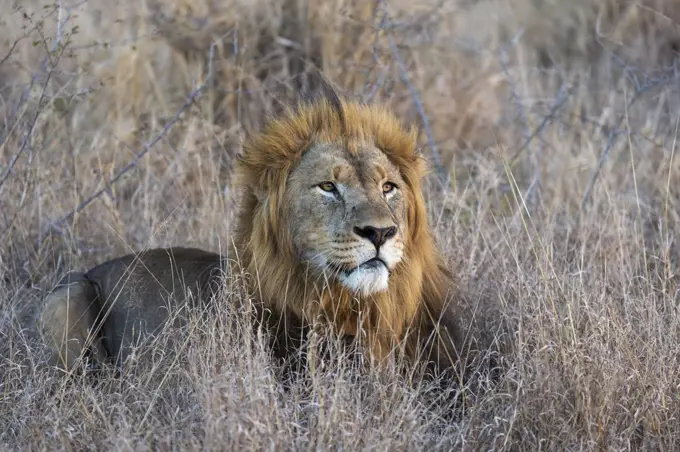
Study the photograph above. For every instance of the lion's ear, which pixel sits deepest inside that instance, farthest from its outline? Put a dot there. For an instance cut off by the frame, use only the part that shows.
(312, 87)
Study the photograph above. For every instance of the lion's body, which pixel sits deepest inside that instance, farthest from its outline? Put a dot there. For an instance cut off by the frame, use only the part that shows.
(134, 295)
(332, 228)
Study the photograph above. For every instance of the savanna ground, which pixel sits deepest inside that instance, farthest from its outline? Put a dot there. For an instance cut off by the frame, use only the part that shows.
(551, 127)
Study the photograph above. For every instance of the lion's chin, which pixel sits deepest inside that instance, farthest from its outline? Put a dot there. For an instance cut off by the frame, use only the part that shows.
(366, 280)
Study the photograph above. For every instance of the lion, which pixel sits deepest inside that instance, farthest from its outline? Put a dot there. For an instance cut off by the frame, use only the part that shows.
(332, 230)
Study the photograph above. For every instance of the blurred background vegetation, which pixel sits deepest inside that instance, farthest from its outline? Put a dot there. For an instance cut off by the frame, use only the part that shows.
(550, 127)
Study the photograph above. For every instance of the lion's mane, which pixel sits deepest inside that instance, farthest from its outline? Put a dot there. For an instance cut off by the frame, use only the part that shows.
(419, 286)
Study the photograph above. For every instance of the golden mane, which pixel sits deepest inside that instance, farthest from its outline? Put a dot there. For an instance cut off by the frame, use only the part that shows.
(419, 285)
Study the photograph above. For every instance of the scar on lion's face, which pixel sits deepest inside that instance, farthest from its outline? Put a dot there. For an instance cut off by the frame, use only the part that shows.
(350, 211)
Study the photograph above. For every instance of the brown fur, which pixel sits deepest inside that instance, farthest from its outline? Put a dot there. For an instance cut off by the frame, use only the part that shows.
(407, 313)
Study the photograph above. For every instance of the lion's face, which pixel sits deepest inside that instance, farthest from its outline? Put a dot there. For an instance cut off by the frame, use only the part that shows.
(348, 215)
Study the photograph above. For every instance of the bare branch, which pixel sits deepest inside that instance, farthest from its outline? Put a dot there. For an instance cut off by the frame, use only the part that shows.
(147, 147)
(11, 50)
(419, 105)
(47, 62)
(561, 99)
(603, 158)
(29, 132)
(39, 110)
(615, 133)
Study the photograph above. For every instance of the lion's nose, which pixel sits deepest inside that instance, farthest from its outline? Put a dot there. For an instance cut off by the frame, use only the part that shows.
(377, 236)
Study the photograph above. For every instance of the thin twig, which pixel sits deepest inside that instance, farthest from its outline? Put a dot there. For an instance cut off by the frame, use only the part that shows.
(416, 99)
(147, 147)
(60, 26)
(533, 160)
(640, 88)
(419, 105)
(561, 99)
(514, 94)
(47, 61)
(31, 126)
(11, 49)
(11, 119)
(611, 140)
(382, 75)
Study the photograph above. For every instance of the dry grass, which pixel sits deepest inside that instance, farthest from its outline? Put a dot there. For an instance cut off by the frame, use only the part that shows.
(556, 121)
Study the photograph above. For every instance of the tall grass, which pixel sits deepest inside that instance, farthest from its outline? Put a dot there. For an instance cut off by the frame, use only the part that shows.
(554, 125)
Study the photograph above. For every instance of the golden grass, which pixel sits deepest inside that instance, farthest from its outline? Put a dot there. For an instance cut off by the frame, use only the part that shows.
(568, 260)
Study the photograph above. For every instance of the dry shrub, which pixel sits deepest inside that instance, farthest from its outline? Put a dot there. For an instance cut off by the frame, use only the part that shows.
(556, 125)
(575, 32)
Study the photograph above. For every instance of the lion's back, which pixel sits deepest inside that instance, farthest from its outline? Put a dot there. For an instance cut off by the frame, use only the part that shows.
(140, 292)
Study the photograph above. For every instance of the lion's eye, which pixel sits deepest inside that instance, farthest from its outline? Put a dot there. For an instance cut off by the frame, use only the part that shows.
(327, 186)
(388, 187)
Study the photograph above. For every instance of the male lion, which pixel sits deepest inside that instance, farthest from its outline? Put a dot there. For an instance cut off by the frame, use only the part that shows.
(332, 228)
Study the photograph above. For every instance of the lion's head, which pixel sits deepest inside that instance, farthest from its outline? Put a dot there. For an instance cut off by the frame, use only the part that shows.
(350, 215)
(333, 223)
